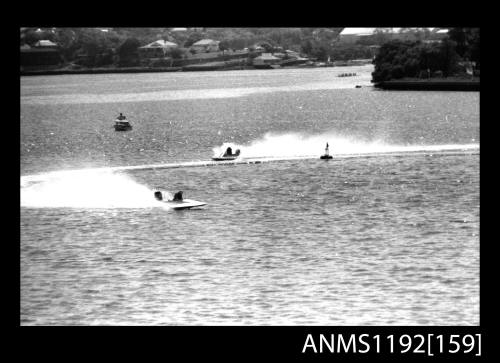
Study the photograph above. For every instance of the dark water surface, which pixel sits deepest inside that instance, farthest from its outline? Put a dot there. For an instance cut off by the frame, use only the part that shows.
(375, 238)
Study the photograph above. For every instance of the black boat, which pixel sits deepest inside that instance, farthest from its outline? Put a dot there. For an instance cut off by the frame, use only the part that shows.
(121, 123)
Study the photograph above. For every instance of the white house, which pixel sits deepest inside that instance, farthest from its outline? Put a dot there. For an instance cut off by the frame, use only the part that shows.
(206, 45)
(265, 60)
(441, 33)
(45, 44)
(352, 35)
(157, 49)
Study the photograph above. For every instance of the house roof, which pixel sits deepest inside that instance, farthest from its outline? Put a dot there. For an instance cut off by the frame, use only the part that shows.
(397, 30)
(160, 44)
(206, 42)
(371, 31)
(357, 31)
(267, 56)
(45, 43)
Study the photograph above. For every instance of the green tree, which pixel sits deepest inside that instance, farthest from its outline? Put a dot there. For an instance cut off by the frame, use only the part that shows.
(176, 53)
(127, 52)
(390, 60)
(223, 45)
(193, 38)
(320, 52)
(467, 42)
(448, 57)
(268, 47)
(399, 59)
(306, 47)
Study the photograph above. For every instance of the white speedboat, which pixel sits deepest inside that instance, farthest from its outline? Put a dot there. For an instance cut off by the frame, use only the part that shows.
(228, 155)
(184, 204)
(222, 158)
(176, 203)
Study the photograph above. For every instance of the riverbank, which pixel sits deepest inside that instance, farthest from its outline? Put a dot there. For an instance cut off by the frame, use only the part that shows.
(227, 65)
(47, 72)
(433, 84)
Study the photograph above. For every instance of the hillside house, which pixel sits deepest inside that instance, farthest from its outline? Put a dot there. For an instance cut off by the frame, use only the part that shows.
(292, 54)
(352, 35)
(206, 45)
(266, 60)
(39, 56)
(440, 34)
(46, 44)
(157, 49)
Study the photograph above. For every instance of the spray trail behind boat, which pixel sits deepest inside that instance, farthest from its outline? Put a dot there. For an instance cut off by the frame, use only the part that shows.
(295, 145)
(109, 188)
(85, 189)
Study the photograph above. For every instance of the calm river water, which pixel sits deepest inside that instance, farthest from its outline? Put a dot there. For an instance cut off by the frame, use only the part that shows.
(385, 233)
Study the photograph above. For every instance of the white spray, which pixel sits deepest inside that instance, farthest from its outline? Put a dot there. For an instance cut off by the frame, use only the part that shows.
(298, 145)
(108, 188)
(85, 189)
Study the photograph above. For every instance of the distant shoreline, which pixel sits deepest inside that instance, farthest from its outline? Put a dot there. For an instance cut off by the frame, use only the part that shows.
(197, 68)
(435, 84)
(49, 72)
(187, 68)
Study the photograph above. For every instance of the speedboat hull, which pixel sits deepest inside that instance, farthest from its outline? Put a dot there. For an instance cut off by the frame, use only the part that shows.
(122, 125)
(222, 158)
(184, 204)
(123, 128)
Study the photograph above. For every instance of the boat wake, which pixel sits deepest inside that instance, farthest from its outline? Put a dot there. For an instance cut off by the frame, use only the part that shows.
(108, 188)
(296, 145)
(85, 189)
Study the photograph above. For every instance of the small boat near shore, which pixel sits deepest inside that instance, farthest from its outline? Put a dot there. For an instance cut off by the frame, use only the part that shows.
(347, 75)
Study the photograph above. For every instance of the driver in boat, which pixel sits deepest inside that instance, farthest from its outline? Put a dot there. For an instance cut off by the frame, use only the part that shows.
(177, 196)
(229, 152)
(121, 117)
(326, 149)
(158, 195)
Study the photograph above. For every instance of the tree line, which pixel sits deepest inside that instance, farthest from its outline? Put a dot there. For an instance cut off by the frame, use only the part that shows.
(416, 59)
(93, 47)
